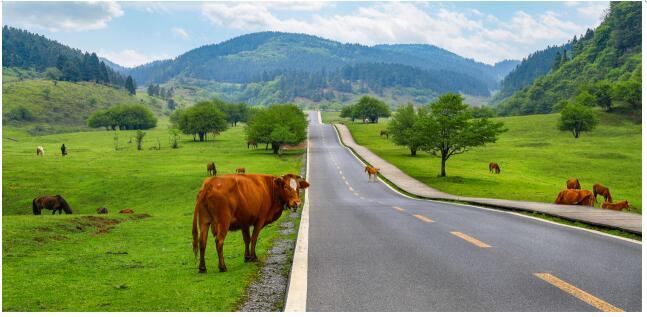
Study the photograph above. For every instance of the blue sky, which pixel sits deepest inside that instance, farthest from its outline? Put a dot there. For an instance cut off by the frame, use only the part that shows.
(132, 33)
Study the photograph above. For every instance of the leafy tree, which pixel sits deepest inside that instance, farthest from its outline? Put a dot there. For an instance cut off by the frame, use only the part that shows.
(405, 130)
(277, 125)
(602, 91)
(200, 119)
(558, 61)
(126, 117)
(139, 136)
(130, 85)
(235, 112)
(53, 73)
(449, 129)
(171, 104)
(20, 113)
(577, 118)
(371, 108)
(629, 92)
(348, 112)
(584, 98)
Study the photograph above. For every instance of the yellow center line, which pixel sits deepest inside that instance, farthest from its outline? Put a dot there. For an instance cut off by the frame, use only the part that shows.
(580, 294)
(423, 218)
(398, 208)
(343, 177)
(471, 240)
(356, 194)
(340, 172)
(350, 188)
(346, 183)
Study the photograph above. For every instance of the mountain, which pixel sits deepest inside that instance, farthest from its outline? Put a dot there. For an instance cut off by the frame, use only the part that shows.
(266, 58)
(604, 70)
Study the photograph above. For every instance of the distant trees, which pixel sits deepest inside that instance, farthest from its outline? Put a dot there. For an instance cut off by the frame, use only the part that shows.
(367, 108)
(130, 85)
(277, 125)
(20, 113)
(124, 117)
(235, 112)
(577, 118)
(200, 119)
(404, 128)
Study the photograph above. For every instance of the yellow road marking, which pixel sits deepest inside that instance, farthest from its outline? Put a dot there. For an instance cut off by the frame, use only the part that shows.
(343, 177)
(339, 172)
(423, 218)
(350, 188)
(470, 239)
(356, 194)
(346, 182)
(398, 208)
(580, 294)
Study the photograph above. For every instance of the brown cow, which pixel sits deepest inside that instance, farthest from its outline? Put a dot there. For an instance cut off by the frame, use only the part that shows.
(573, 183)
(383, 133)
(233, 202)
(211, 169)
(126, 211)
(575, 197)
(598, 189)
(623, 204)
(372, 171)
(53, 203)
(240, 170)
(494, 167)
(252, 143)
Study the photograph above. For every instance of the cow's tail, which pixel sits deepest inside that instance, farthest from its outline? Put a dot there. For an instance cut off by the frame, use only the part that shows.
(195, 227)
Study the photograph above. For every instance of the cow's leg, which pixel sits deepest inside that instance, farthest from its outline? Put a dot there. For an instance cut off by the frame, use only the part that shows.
(246, 238)
(204, 231)
(223, 227)
(257, 230)
(54, 212)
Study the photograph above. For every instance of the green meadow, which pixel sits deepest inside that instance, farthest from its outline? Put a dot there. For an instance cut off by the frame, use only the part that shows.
(144, 262)
(535, 159)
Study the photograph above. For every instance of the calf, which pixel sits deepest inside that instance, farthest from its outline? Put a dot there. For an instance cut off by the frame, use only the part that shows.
(240, 170)
(372, 172)
(598, 189)
(494, 168)
(211, 169)
(623, 204)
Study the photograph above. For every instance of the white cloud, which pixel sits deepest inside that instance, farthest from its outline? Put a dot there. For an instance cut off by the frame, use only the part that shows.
(180, 32)
(61, 16)
(593, 10)
(130, 58)
(482, 37)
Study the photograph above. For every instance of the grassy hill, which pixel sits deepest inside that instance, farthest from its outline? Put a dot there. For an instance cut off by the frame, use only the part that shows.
(535, 159)
(63, 106)
(76, 263)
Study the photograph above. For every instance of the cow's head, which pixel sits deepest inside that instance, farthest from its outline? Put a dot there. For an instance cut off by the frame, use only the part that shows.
(288, 189)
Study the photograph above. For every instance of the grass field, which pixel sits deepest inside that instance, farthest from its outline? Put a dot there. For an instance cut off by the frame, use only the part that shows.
(113, 262)
(535, 159)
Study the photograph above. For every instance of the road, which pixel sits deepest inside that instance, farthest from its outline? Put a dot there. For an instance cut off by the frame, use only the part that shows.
(372, 249)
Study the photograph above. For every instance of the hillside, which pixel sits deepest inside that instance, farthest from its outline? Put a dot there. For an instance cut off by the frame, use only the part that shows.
(610, 58)
(45, 106)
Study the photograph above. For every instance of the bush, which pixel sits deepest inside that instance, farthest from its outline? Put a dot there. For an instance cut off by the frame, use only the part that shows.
(20, 113)
(125, 117)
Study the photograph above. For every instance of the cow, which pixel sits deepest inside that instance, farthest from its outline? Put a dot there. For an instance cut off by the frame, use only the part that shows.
(233, 202)
(40, 151)
(623, 204)
(383, 133)
(598, 189)
(240, 170)
(575, 197)
(102, 210)
(252, 143)
(211, 169)
(573, 183)
(126, 211)
(53, 203)
(372, 172)
(494, 168)
(63, 150)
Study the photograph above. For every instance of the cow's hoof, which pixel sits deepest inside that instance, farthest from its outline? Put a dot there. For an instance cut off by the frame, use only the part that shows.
(251, 259)
(223, 269)
(248, 259)
(202, 270)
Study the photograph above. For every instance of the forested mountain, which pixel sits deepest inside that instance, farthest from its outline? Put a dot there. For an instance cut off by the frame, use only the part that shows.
(604, 69)
(32, 51)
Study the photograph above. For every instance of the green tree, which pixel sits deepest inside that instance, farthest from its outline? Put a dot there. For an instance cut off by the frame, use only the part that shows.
(405, 129)
(577, 118)
(584, 98)
(602, 90)
(629, 92)
(277, 125)
(126, 117)
(130, 85)
(139, 136)
(53, 73)
(20, 113)
(202, 118)
(347, 112)
(558, 60)
(449, 129)
(371, 108)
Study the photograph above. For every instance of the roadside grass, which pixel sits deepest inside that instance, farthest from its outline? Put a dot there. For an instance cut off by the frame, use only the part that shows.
(535, 159)
(49, 264)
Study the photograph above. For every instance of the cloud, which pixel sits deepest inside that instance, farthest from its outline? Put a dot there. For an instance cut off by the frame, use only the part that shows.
(61, 16)
(129, 57)
(180, 32)
(482, 37)
(593, 10)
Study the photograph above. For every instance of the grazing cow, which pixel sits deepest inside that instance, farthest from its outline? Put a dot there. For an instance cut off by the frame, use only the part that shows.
(63, 150)
(575, 197)
(252, 143)
(383, 133)
(102, 210)
(211, 169)
(233, 202)
(126, 211)
(372, 172)
(53, 203)
(623, 204)
(494, 168)
(573, 183)
(598, 189)
(40, 151)
(240, 170)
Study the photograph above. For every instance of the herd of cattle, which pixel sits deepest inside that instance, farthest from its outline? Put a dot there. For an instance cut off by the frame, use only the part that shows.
(575, 195)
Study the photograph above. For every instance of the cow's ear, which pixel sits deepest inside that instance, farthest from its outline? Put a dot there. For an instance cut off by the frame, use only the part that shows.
(278, 181)
(303, 184)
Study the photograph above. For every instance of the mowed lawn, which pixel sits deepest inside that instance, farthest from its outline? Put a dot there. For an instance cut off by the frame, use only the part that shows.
(535, 159)
(76, 263)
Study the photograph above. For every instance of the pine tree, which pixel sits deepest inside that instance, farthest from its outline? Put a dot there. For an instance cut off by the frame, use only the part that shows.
(130, 85)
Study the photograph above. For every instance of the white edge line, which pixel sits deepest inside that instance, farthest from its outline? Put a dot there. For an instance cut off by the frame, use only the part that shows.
(480, 207)
(297, 294)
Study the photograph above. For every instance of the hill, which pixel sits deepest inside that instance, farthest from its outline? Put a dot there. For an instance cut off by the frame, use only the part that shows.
(606, 62)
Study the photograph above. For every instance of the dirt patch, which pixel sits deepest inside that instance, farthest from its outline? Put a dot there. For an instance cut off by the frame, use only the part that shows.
(96, 225)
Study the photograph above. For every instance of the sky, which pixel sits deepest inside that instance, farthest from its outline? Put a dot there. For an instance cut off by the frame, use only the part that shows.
(134, 33)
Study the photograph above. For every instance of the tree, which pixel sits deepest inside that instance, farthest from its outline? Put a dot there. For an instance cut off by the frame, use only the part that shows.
(277, 125)
(449, 129)
(171, 105)
(130, 85)
(200, 119)
(347, 112)
(629, 92)
(371, 108)
(601, 91)
(577, 119)
(20, 113)
(558, 60)
(126, 117)
(234, 112)
(405, 130)
(139, 136)
(53, 73)
(586, 99)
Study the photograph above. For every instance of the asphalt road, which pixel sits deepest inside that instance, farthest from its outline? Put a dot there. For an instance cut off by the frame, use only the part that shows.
(371, 249)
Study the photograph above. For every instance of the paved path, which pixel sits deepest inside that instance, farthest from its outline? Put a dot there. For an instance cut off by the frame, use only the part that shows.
(372, 249)
(613, 219)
